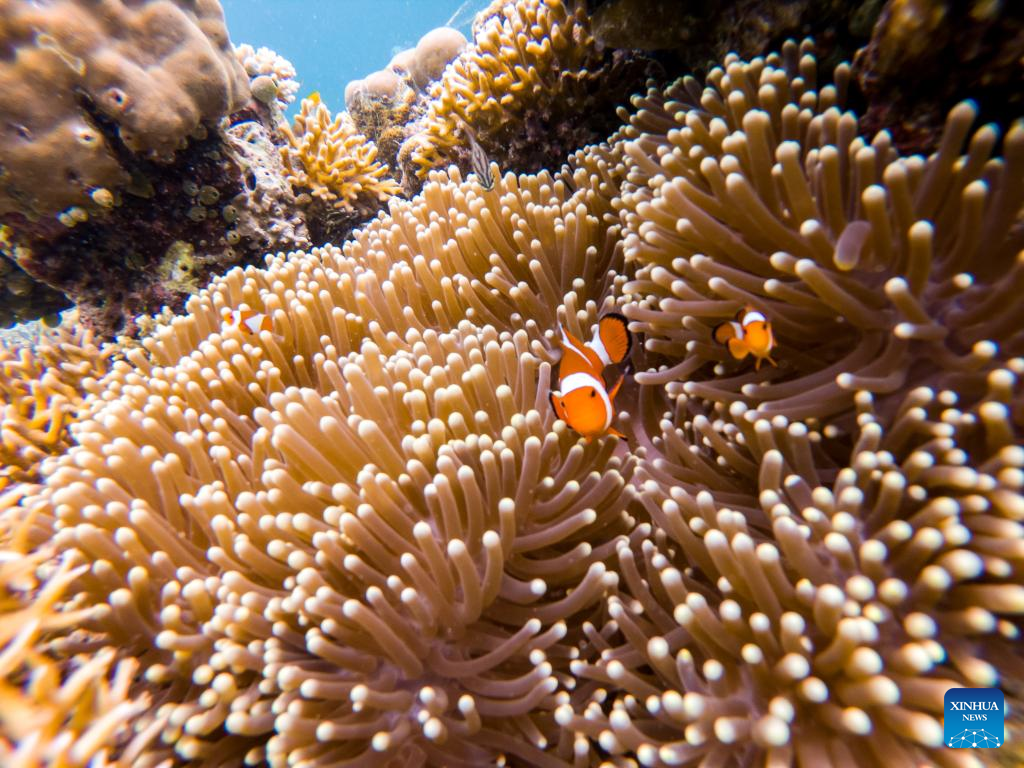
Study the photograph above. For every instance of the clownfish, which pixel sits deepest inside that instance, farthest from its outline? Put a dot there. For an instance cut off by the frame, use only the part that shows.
(249, 323)
(582, 400)
(749, 334)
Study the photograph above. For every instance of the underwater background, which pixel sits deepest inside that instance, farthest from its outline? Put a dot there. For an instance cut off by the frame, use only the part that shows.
(335, 41)
(559, 383)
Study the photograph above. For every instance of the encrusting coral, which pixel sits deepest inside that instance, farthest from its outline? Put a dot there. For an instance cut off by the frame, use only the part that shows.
(41, 390)
(362, 536)
(331, 163)
(114, 162)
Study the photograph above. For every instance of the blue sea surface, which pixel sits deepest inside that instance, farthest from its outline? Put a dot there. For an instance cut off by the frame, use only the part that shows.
(332, 42)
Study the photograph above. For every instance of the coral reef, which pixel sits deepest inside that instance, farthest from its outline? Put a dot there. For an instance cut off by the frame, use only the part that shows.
(115, 174)
(116, 265)
(384, 105)
(363, 537)
(978, 47)
(335, 171)
(265, 212)
(381, 106)
(518, 91)
(41, 390)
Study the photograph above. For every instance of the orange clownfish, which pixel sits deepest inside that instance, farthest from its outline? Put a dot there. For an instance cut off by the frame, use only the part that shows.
(582, 400)
(749, 334)
(249, 323)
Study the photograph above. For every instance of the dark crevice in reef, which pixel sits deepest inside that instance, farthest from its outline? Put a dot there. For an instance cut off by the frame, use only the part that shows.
(163, 238)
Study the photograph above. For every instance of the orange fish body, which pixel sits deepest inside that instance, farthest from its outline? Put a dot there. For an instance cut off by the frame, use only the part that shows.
(249, 323)
(582, 400)
(749, 334)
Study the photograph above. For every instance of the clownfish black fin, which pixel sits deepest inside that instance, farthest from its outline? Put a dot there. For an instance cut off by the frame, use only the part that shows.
(613, 330)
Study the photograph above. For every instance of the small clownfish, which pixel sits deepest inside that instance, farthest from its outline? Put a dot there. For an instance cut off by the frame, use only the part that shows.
(749, 334)
(582, 400)
(249, 323)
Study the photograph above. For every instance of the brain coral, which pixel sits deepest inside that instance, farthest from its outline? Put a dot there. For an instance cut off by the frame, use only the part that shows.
(83, 83)
(363, 538)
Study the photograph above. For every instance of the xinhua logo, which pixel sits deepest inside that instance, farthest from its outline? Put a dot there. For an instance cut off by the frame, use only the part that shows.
(973, 718)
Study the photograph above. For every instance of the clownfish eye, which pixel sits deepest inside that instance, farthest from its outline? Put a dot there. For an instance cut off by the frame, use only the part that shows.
(593, 393)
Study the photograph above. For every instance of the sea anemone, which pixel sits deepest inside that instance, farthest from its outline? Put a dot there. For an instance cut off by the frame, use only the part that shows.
(42, 386)
(362, 537)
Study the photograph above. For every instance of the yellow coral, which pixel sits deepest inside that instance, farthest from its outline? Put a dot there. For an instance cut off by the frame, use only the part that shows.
(331, 160)
(524, 55)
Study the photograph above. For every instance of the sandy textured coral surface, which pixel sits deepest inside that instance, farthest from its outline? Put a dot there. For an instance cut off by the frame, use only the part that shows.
(84, 84)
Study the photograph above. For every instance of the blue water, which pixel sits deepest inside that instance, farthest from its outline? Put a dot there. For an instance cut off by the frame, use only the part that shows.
(331, 42)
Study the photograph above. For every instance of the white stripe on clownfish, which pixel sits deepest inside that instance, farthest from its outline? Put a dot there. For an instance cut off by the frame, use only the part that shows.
(568, 342)
(250, 323)
(598, 346)
(752, 316)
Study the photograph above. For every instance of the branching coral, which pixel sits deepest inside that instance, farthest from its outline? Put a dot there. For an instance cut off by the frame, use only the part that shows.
(518, 90)
(327, 158)
(41, 390)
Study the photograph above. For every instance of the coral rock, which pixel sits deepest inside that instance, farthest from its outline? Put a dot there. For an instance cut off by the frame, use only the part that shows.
(85, 84)
(433, 52)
